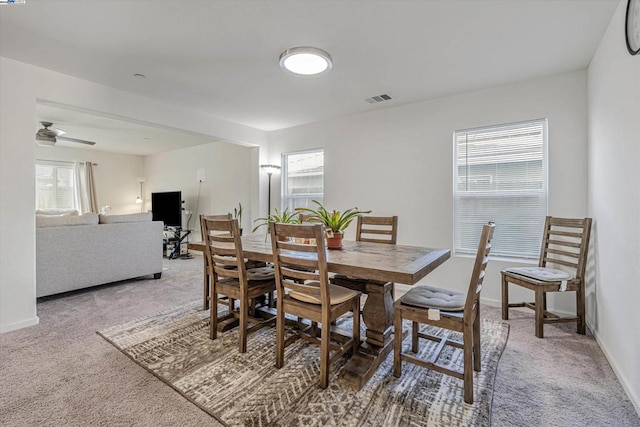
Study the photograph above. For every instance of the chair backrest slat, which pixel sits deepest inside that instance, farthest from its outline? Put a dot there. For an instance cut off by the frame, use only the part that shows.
(560, 239)
(563, 253)
(299, 274)
(300, 287)
(226, 272)
(479, 267)
(549, 260)
(287, 245)
(377, 226)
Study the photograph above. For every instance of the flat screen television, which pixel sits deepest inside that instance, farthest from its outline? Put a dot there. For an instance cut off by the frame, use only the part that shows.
(167, 207)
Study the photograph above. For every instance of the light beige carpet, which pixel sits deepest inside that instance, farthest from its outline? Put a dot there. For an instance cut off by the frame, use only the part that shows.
(247, 389)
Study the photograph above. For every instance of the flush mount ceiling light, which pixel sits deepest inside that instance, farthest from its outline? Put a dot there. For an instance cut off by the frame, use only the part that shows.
(305, 60)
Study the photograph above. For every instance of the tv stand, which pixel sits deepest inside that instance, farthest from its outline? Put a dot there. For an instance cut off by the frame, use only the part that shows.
(179, 235)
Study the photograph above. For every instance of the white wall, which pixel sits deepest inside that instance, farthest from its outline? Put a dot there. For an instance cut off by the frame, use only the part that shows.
(400, 161)
(21, 87)
(116, 174)
(614, 202)
(228, 179)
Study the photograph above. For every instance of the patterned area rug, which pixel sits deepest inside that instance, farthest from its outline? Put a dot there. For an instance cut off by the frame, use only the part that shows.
(247, 390)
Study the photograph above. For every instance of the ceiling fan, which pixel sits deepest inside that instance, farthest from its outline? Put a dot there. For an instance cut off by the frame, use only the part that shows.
(48, 137)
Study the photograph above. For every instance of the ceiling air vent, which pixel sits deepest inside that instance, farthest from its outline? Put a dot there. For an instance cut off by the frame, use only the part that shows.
(379, 98)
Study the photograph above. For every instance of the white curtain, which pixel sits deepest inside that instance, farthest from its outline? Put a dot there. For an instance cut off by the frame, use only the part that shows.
(86, 199)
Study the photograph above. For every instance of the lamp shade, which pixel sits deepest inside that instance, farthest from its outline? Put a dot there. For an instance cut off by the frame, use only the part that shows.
(270, 168)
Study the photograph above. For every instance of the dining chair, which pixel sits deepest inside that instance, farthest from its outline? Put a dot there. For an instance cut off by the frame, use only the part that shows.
(449, 310)
(374, 229)
(565, 245)
(206, 282)
(303, 289)
(230, 277)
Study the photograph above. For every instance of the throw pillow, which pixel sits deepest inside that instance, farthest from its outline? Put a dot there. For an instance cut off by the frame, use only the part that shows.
(59, 212)
(65, 220)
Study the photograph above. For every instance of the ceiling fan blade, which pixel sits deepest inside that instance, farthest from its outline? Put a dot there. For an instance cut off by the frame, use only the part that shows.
(80, 141)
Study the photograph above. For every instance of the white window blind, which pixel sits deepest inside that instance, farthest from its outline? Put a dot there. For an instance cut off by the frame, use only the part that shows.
(55, 185)
(501, 176)
(302, 178)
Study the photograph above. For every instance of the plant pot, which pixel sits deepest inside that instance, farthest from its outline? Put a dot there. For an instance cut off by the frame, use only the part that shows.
(334, 240)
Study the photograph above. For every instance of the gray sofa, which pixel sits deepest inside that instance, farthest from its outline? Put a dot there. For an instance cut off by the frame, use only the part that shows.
(70, 257)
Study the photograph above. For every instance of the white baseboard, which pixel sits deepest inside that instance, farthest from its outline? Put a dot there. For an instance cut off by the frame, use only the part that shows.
(19, 325)
(635, 399)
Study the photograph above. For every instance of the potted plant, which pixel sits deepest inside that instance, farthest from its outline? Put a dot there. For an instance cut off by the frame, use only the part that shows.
(237, 214)
(335, 222)
(282, 217)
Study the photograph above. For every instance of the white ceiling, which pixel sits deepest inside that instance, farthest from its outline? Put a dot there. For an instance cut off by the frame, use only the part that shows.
(221, 57)
(113, 135)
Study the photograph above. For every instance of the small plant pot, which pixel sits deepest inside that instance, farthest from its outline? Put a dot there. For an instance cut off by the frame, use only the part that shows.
(334, 240)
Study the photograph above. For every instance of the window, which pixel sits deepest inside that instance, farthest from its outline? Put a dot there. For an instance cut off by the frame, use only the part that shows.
(303, 178)
(55, 185)
(500, 175)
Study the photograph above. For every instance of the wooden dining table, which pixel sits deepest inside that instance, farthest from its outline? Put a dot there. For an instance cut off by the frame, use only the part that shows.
(378, 266)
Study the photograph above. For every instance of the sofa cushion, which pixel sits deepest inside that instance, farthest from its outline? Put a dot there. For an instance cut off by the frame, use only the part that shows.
(136, 217)
(89, 218)
(59, 212)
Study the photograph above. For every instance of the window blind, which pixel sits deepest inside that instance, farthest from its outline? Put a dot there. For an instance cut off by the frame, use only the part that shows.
(303, 178)
(501, 176)
(55, 185)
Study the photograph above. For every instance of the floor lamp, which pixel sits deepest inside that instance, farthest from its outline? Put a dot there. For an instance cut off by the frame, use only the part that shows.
(270, 169)
(139, 199)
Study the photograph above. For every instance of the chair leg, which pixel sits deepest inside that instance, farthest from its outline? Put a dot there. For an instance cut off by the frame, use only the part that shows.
(280, 334)
(243, 324)
(540, 313)
(356, 325)
(397, 342)
(414, 336)
(271, 299)
(213, 315)
(476, 340)
(505, 298)
(467, 348)
(325, 335)
(580, 310)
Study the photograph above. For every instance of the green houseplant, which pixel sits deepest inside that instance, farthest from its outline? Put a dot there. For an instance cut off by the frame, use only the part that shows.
(335, 222)
(285, 216)
(237, 214)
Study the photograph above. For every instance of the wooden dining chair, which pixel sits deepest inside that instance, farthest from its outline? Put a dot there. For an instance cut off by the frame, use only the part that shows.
(303, 289)
(230, 277)
(446, 309)
(374, 229)
(565, 245)
(206, 280)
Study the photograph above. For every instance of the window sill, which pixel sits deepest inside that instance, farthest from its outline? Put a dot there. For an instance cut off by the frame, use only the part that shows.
(501, 258)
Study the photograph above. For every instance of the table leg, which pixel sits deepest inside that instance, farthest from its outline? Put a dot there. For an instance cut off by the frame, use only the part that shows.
(206, 285)
(377, 315)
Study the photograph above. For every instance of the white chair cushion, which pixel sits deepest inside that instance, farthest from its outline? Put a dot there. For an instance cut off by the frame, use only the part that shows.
(338, 294)
(432, 297)
(541, 273)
